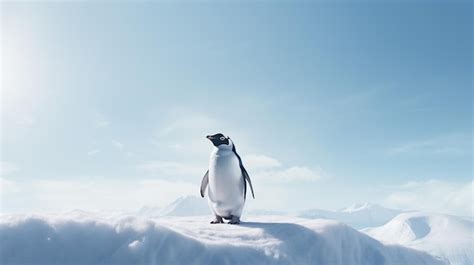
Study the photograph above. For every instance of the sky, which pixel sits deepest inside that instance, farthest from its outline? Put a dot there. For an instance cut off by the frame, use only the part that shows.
(106, 105)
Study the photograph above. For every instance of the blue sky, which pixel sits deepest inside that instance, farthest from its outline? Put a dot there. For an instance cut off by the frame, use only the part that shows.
(106, 105)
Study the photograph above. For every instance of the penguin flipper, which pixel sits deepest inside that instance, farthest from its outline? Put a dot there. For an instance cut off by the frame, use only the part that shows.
(244, 173)
(204, 182)
(247, 179)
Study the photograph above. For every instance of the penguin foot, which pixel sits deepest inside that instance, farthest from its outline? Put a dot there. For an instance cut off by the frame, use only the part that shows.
(218, 220)
(235, 220)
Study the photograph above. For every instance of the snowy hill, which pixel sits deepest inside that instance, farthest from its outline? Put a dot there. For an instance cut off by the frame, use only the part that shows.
(187, 206)
(183, 206)
(441, 235)
(358, 216)
(89, 240)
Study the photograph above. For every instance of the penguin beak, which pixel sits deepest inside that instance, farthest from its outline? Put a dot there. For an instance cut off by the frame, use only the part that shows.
(209, 137)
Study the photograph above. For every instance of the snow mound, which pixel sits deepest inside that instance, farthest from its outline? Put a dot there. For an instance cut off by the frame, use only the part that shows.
(358, 216)
(442, 235)
(89, 240)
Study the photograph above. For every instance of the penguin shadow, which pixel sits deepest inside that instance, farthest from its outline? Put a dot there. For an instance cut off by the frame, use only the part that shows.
(298, 243)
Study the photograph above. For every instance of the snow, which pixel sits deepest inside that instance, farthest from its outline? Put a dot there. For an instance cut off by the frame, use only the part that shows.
(438, 234)
(83, 238)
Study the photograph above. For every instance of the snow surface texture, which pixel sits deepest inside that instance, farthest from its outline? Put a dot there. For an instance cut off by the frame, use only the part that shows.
(440, 235)
(77, 238)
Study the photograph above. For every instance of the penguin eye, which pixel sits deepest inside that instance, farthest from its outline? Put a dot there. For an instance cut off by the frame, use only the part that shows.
(222, 138)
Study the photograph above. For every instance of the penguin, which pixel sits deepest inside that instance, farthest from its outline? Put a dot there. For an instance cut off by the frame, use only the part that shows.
(225, 181)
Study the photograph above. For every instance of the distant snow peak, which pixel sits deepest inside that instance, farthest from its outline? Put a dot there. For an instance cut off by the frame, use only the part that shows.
(189, 205)
(360, 207)
(149, 211)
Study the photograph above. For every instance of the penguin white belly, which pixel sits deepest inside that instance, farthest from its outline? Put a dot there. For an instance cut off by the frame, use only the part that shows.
(226, 184)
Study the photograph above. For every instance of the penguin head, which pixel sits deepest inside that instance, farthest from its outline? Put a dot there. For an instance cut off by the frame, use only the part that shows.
(220, 141)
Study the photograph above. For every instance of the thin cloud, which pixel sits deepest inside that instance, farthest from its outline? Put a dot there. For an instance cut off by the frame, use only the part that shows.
(270, 169)
(186, 133)
(8, 186)
(451, 144)
(291, 174)
(7, 168)
(255, 161)
(101, 124)
(192, 122)
(101, 121)
(169, 168)
(93, 152)
(118, 145)
(26, 119)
